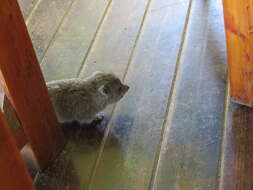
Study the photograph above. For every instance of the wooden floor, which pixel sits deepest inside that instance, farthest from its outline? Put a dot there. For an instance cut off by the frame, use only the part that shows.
(176, 128)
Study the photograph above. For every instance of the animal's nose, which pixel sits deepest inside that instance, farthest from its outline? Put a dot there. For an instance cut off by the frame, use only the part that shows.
(126, 87)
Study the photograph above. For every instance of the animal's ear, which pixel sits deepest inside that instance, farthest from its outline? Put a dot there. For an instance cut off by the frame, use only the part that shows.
(104, 90)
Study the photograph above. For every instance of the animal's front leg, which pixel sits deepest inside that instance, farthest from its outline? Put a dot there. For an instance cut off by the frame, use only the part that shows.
(98, 119)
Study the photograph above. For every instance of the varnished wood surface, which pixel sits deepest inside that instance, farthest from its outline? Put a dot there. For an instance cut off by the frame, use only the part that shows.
(138, 119)
(13, 174)
(239, 29)
(191, 146)
(21, 76)
(237, 160)
(14, 123)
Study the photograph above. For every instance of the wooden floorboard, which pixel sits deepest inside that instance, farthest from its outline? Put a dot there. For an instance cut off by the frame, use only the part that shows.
(86, 36)
(27, 7)
(121, 15)
(44, 23)
(74, 39)
(114, 43)
(161, 4)
(137, 121)
(237, 160)
(189, 157)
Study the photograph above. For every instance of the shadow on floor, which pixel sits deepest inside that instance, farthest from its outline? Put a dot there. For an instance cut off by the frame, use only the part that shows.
(63, 174)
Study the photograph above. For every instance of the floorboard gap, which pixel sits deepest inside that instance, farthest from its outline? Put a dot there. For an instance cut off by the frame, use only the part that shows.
(170, 99)
(56, 31)
(94, 38)
(125, 74)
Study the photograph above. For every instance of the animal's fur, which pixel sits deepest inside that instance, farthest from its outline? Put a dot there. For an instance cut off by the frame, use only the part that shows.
(81, 99)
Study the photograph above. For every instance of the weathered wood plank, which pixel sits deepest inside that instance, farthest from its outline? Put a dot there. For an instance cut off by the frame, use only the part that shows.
(13, 174)
(237, 159)
(73, 167)
(189, 157)
(18, 59)
(71, 44)
(114, 41)
(27, 7)
(116, 38)
(44, 23)
(128, 161)
(239, 30)
(161, 4)
(83, 154)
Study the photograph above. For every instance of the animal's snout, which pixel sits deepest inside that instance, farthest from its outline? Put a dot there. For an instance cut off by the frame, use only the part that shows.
(126, 87)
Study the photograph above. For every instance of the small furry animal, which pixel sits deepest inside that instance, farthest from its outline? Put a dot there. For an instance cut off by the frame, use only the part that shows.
(82, 99)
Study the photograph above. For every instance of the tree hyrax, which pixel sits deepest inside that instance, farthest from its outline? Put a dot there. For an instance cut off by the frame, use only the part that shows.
(81, 99)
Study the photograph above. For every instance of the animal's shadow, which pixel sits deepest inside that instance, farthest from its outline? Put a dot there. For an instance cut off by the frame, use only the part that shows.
(85, 133)
(81, 138)
(92, 134)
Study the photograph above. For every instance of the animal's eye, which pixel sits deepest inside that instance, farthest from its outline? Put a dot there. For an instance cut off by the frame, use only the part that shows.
(120, 88)
(106, 90)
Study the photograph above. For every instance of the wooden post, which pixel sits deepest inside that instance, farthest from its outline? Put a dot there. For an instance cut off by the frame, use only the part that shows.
(239, 33)
(14, 123)
(13, 174)
(25, 87)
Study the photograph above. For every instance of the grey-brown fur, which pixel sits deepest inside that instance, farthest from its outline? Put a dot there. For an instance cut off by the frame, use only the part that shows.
(81, 99)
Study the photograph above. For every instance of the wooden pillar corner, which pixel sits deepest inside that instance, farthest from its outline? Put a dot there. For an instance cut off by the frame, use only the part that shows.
(25, 87)
(239, 36)
(13, 174)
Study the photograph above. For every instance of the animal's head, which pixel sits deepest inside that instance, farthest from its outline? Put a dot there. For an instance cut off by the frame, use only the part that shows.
(110, 86)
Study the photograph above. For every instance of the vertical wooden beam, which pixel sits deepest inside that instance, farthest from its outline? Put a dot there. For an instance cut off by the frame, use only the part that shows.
(13, 174)
(12, 120)
(24, 85)
(239, 32)
(14, 123)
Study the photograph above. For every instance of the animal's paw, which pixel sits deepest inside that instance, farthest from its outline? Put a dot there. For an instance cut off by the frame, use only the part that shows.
(98, 119)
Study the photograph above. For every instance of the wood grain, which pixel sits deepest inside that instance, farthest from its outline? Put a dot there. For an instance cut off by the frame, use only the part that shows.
(190, 152)
(44, 23)
(237, 159)
(14, 123)
(13, 174)
(25, 87)
(115, 39)
(138, 119)
(239, 31)
(27, 7)
(71, 44)
(110, 52)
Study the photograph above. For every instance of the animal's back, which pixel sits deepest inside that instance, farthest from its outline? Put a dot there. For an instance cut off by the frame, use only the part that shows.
(63, 97)
(73, 99)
